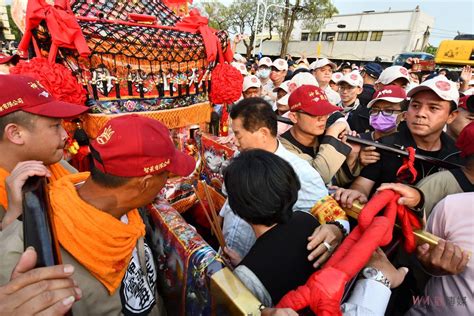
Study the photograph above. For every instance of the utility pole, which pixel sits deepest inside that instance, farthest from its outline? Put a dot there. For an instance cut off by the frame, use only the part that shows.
(426, 37)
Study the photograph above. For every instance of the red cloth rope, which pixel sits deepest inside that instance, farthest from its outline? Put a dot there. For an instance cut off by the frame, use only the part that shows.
(62, 25)
(407, 171)
(196, 23)
(324, 289)
(226, 80)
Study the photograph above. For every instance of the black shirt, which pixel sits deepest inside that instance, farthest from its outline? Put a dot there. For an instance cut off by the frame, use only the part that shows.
(309, 150)
(386, 168)
(367, 136)
(322, 139)
(367, 93)
(358, 119)
(279, 258)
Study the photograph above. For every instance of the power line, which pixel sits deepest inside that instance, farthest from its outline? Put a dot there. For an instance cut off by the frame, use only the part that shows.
(438, 29)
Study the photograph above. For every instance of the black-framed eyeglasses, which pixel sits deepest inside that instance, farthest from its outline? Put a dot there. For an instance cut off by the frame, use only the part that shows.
(384, 112)
(318, 117)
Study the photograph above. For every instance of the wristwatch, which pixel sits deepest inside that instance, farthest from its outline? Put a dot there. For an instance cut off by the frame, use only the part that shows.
(376, 275)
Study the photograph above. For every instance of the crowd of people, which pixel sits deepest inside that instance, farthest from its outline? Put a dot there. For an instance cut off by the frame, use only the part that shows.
(311, 108)
(293, 128)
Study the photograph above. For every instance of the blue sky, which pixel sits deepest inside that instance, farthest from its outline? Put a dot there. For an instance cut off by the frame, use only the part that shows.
(450, 15)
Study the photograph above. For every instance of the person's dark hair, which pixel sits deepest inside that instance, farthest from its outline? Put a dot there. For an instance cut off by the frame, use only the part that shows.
(262, 187)
(297, 71)
(404, 104)
(24, 119)
(470, 104)
(453, 76)
(443, 69)
(107, 180)
(255, 113)
(346, 66)
(452, 106)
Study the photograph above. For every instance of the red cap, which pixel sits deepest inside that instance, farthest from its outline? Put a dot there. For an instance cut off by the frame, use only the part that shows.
(465, 100)
(465, 141)
(4, 58)
(311, 100)
(135, 146)
(391, 93)
(27, 94)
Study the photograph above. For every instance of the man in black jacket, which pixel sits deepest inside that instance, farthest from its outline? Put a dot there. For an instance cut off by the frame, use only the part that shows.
(433, 104)
(370, 74)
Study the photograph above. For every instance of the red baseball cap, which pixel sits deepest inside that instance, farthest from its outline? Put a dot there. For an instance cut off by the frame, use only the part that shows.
(27, 94)
(464, 141)
(135, 146)
(4, 58)
(391, 93)
(467, 103)
(311, 100)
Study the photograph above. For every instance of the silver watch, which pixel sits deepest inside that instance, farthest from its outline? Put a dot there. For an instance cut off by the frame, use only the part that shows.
(376, 275)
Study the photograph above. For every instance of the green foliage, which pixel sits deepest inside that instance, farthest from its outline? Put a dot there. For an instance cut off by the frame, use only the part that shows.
(431, 49)
(14, 29)
(240, 18)
(312, 12)
(216, 12)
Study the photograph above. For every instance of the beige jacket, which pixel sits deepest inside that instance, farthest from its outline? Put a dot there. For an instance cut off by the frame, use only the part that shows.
(329, 160)
(11, 248)
(95, 297)
(436, 187)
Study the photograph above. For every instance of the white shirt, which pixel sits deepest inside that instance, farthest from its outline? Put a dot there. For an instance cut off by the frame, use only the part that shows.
(239, 235)
(452, 219)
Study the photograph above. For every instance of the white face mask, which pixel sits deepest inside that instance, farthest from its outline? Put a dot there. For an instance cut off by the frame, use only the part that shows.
(264, 73)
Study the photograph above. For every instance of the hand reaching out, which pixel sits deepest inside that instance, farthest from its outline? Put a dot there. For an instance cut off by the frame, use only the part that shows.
(40, 291)
(14, 184)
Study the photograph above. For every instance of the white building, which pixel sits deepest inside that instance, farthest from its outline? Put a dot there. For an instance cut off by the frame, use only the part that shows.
(359, 36)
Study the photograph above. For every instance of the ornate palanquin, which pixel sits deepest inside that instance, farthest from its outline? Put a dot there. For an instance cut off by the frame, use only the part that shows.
(143, 58)
(194, 279)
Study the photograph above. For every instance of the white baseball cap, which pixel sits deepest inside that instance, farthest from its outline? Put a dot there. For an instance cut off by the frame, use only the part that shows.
(321, 63)
(280, 64)
(353, 78)
(251, 82)
(444, 88)
(302, 78)
(336, 77)
(393, 73)
(468, 91)
(284, 86)
(240, 67)
(239, 58)
(265, 61)
(302, 63)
